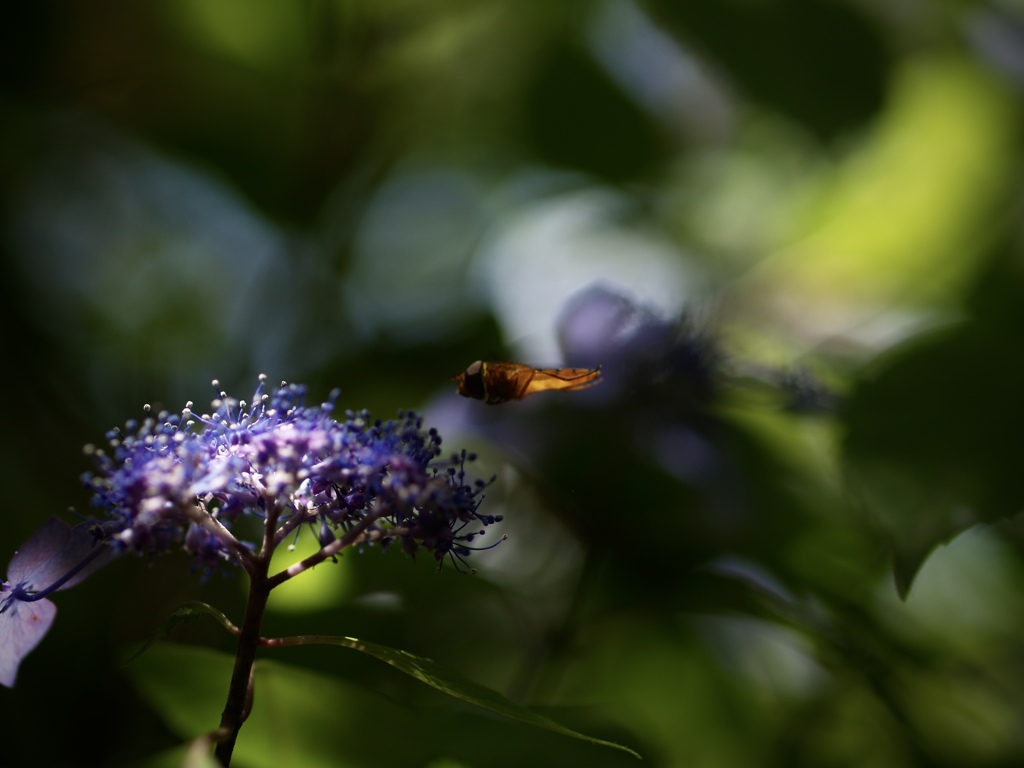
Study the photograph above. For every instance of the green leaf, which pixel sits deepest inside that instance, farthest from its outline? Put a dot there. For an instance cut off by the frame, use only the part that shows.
(188, 721)
(830, 75)
(933, 437)
(184, 613)
(452, 683)
(571, 95)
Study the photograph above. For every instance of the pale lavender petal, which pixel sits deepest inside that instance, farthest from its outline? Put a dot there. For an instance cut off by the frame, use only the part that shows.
(22, 626)
(51, 552)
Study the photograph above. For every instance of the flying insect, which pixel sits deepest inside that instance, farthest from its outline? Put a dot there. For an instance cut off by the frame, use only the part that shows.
(500, 382)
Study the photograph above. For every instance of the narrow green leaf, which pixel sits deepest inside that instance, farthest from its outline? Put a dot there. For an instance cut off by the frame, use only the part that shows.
(450, 682)
(426, 671)
(182, 614)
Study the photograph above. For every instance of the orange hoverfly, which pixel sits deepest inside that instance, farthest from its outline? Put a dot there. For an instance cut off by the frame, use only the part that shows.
(500, 382)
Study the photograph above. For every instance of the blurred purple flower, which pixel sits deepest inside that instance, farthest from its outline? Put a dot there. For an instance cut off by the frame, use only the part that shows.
(641, 353)
(673, 365)
(664, 372)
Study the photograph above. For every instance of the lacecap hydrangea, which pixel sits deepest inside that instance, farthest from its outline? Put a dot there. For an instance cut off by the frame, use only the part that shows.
(231, 485)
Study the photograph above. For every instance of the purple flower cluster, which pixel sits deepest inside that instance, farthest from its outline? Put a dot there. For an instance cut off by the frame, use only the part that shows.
(232, 485)
(209, 478)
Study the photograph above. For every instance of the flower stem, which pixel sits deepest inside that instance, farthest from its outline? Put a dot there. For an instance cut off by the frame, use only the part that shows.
(236, 709)
(352, 536)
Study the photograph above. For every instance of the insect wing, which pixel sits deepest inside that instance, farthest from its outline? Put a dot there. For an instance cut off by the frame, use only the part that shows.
(507, 381)
(561, 379)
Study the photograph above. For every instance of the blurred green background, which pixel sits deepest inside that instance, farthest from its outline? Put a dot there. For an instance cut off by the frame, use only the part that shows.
(371, 195)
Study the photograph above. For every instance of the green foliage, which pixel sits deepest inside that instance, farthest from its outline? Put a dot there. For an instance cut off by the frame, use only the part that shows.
(371, 195)
(823, 64)
(426, 671)
(931, 441)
